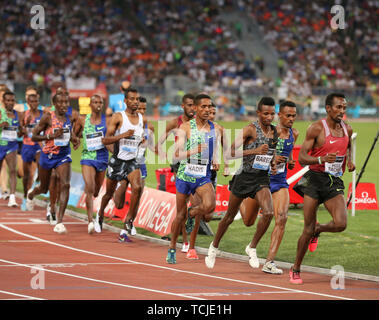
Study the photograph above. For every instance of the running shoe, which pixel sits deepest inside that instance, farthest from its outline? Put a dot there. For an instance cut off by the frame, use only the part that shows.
(185, 247)
(313, 242)
(98, 226)
(91, 227)
(190, 223)
(129, 227)
(60, 228)
(192, 255)
(5, 195)
(210, 259)
(295, 276)
(29, 203)
(253, 259)
(23, 205)
(12, 201)
(124, 238)
(171, 256)
(270, 267)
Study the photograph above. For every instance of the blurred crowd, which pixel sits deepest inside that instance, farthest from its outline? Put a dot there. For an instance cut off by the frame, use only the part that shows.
(143, 41)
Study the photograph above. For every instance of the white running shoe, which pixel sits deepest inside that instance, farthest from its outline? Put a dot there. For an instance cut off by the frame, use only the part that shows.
(253, 259)
(270, 267)
(12, 201)
(91, 227)
(97, 224)
(210, 259)
(60, 228)
(185, 247)
(133, 232)
(29, 203)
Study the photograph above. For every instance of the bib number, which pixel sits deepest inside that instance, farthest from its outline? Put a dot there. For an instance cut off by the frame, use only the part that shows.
(64, 139)
(196, 170)
(130, 145)
(9, 134)
(335, 168)
(262, 162)
(93, 141)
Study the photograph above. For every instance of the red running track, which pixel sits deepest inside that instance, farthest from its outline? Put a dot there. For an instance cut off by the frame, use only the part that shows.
(37, 263)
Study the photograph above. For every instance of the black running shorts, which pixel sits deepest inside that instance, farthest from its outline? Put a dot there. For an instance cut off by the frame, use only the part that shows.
(120, 169)
(319, 185)
(246, 184)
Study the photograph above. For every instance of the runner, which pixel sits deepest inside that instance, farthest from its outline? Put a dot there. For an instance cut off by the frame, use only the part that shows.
(30, 151)
(4, 178)
(192, 254)
(125, 131)
(94, 158)
(172, 127)
(195, 150)
(278, 187)
(259, 141)
(56, 154)
(326, 149)
(9, 127)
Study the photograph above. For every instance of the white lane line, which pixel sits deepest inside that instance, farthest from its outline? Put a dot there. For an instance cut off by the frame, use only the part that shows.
(173, 269)
(19, 295)
(100, 281)
(68, 264)
(35, 221)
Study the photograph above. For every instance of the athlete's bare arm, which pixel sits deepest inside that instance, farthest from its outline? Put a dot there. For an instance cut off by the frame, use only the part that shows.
(291, 161)
(170, 127)
(349, 160)
(313, 140)
(43, 125)
(114, 124)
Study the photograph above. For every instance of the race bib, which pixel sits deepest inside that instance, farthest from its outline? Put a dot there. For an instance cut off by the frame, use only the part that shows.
(196, 170)
(93, 141)
(29, 129)
(262, 162)
(64, 139)
(9, 134)
(335, 168)
(281, 167)
(130, 144)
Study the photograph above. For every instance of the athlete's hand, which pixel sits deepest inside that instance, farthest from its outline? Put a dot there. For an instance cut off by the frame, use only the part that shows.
(215, 166)
(291, 164)
(75, 142)
(280, 159)
(226, 171)
(57, 133)
(262, 149)
(273, 168)
(128, 134)
(4, 124)
(330, 157)
(350, 166)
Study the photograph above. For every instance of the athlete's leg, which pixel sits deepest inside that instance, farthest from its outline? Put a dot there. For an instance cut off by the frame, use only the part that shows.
(110, 187)
(207, 202)
(11, 159)
(27, 167)
(89, 174)
(135, 181)
(99, 179)
(234, 203)
(64, 173)
(310, 210)
(337, 208)
(264, 200)
(281, 202)
(249, 209)
(181, 214)
(43, 187)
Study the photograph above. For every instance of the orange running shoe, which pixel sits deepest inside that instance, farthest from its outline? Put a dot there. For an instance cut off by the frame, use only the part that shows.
(191, 254)
(295, 276)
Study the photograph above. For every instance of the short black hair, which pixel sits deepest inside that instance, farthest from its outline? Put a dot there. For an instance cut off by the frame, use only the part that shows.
(142, 99)
(201, 96)
(287, 103)
(8, 93)
(188, 96)
(267, 101)
(55, 97)
(130, 89)
(330, 97)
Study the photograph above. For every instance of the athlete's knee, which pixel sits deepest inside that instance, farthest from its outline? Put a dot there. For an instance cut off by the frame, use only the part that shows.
(340, 226)
(137, 188)
(65, 186)
(90, 190)
(267, 214)
(281, 219)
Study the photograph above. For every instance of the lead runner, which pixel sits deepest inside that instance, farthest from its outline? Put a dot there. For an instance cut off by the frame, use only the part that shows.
(329, 143)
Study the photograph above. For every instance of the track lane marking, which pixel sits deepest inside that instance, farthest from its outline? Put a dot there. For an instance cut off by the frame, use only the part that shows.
(173, 269)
